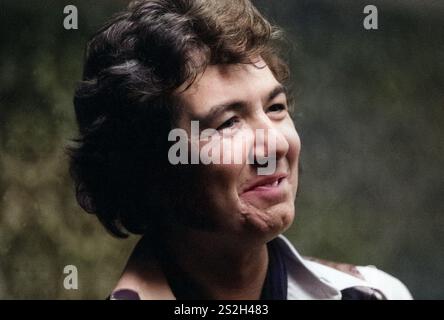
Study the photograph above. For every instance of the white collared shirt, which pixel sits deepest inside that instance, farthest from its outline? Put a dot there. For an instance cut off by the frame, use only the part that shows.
(309, 280)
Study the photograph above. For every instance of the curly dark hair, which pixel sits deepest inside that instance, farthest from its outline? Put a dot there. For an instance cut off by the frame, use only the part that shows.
(125, 103)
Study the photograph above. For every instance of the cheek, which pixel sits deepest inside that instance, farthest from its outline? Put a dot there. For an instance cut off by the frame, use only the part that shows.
(221, 180)
(226, 158)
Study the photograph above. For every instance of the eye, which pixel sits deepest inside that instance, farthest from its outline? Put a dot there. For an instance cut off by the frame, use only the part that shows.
(278, 107)
(228, 124)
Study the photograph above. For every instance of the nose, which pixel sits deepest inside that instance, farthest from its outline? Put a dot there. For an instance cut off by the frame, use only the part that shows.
(270, 145)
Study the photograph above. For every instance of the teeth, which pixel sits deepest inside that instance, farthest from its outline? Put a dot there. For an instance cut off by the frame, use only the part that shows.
(274, 184)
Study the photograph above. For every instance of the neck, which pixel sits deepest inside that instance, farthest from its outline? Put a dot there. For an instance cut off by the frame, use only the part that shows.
(222, 268)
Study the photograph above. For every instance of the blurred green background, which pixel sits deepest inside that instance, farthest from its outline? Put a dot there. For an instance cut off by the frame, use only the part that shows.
(370, 112)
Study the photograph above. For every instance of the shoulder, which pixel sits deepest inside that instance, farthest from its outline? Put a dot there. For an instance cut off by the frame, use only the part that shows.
(142, 278)
(392, 287)
(341, 274)
(336, 276)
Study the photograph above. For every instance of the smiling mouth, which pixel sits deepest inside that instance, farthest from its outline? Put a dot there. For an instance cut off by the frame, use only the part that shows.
(271, 191)
(274, 184)
(265, 183)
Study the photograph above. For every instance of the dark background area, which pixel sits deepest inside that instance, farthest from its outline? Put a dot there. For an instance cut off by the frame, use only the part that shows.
(369, 109)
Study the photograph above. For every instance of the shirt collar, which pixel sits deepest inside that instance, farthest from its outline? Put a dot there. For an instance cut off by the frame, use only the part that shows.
(312, 280)
(306, 279)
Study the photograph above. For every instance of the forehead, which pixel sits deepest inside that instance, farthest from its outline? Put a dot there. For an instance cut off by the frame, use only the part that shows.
(222, 83)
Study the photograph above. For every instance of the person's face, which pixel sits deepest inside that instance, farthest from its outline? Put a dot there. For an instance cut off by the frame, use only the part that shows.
(233, 198)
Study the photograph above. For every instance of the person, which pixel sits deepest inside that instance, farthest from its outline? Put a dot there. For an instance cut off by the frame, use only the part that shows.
(210, 229)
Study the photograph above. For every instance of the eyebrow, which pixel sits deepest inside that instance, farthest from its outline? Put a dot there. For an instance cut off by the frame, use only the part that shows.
(236, 105)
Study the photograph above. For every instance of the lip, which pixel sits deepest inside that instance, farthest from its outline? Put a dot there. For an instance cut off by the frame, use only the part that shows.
(264, 183)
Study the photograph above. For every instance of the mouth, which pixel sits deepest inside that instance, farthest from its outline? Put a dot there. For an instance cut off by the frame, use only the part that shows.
(271, 188)
(265, 182)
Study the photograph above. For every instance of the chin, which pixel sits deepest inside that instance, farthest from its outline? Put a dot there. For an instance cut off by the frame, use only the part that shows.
(287, 218)
(268, 224)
